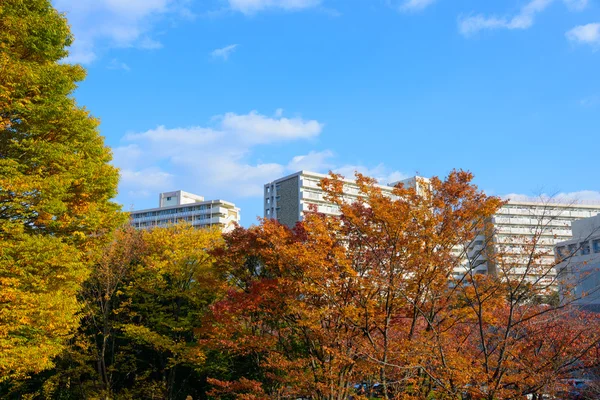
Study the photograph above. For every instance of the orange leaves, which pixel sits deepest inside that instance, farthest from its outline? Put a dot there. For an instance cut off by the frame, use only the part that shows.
(373, 295)
(243, 389)
(289, 302)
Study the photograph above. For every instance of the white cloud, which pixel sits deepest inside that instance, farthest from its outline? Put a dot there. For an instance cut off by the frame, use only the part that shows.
(585, 34)
(145, 182)
(576, 5)
(415, 5)
(523, 20)
(316, 161)
(580, 197)
(225, 52)
(214, 159)
(126, 157)
(380, 172)
(101, 24)
(116, 64)
(254, 6)
(218, 160)
(257, 128)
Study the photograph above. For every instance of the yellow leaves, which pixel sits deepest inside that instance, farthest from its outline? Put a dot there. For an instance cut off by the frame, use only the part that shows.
(181, 244)
(144, 335)
(39, 279)
(56, 198)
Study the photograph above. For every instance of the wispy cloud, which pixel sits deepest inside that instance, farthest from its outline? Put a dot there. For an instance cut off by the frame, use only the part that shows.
(576, 5)
(99, 25)
(524, 19)
(380, 172)
(116, 64)
(590, 101)
(323, 162)
(225, 52)
(415, 5)
(580, 197)
(254, 6)
(145, 182)
(585, 34)
(316, 161)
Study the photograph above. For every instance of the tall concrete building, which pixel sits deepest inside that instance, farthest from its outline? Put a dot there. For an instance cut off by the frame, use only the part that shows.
(579, 267)
(287, 199)
(509, 232)
(514, 228)
(177, 206)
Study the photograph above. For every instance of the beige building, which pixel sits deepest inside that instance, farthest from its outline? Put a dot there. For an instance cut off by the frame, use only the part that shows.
(174, 207)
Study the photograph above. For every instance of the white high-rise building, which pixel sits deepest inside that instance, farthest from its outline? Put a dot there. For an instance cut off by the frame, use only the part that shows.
(579, 267)
(521, 228)
(287, 199)
(509, 232)
(177, 206)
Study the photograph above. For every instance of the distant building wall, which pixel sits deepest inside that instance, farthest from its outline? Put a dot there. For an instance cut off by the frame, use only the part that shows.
(579, 267)
(288, 198)
(181, 206)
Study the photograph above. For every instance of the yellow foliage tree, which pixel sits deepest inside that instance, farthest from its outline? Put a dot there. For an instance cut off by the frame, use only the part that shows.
(56, 187)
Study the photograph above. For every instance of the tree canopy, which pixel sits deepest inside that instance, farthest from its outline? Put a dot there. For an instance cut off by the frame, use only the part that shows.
(56, 186)
(384, 300)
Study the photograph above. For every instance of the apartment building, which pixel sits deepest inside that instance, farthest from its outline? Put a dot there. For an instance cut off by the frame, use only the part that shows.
(579, 267)
(509, 232)
(288, 198)
(177, 206)
(514, 229)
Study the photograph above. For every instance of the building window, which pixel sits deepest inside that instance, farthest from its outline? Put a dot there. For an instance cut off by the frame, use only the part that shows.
(268, 201)
(596, 245)
(585, 248)
(268, 212)
(572, 249)
(168, 198)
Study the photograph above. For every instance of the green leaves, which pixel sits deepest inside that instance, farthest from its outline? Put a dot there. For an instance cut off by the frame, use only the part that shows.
(56, 187)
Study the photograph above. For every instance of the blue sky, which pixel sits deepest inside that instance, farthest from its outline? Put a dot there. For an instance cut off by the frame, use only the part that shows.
(219, 97)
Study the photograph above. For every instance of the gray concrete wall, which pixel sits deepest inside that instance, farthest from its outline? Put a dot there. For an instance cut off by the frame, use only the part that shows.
(288, 203)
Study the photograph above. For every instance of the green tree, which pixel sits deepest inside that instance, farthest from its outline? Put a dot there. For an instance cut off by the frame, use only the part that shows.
(56, 187)
(143, 305)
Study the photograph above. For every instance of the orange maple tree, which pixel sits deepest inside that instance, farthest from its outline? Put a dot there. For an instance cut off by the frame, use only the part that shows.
(383, 299)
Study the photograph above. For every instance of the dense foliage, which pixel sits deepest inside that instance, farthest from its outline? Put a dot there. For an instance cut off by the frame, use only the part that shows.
(372, 299)
(365, 304)
(380, 301)
(55, 188)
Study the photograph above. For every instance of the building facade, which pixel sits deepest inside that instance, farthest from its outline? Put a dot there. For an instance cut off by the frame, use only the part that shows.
(177, 206)
(522, 228)
(510, 232)
(287, 199)
(579, 267)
